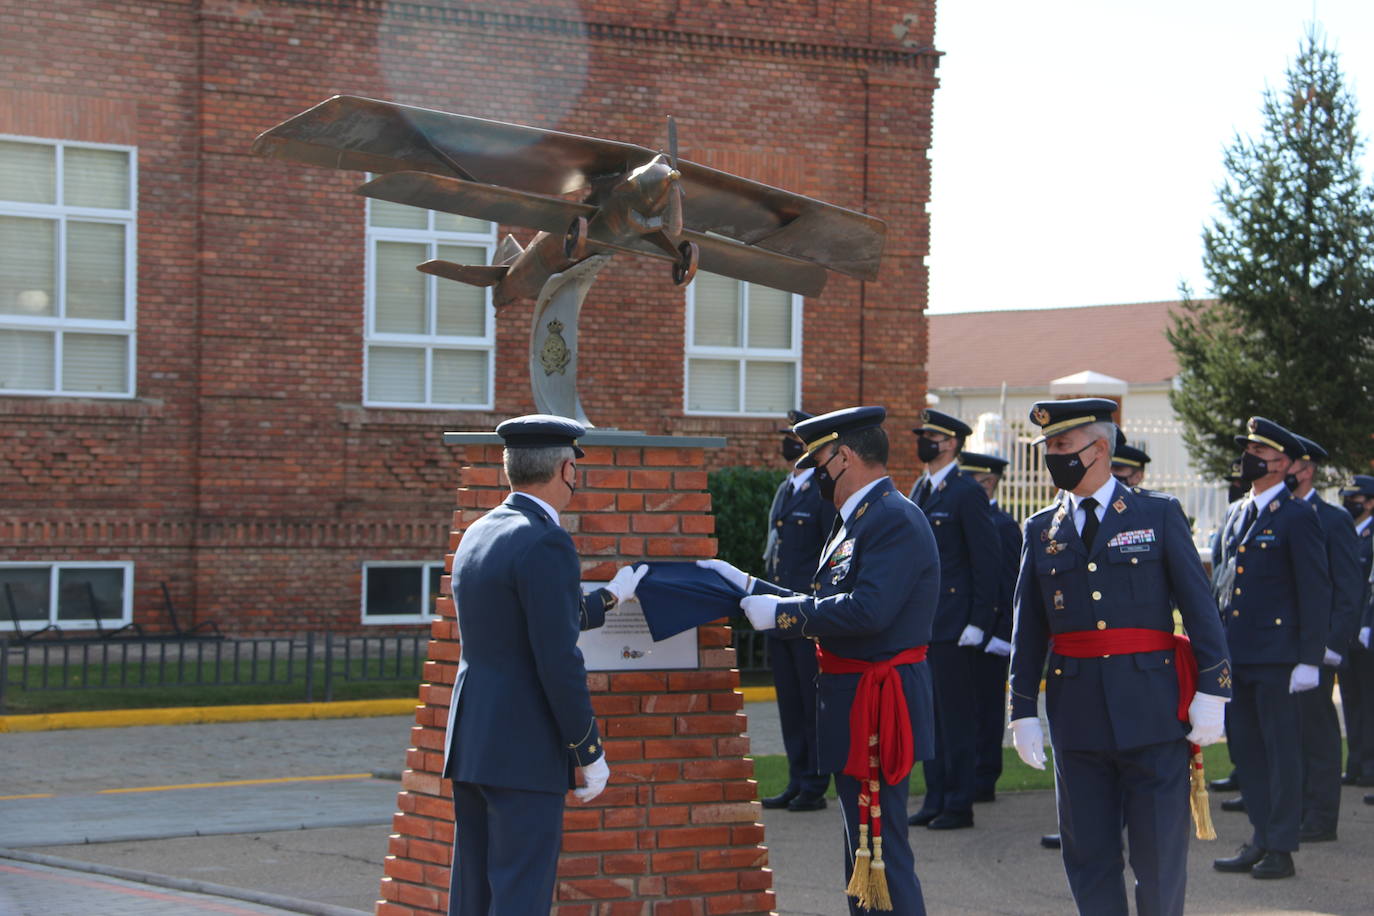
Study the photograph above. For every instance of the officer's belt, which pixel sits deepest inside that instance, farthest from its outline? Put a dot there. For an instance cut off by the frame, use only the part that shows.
(879, 714)
(1128, 641)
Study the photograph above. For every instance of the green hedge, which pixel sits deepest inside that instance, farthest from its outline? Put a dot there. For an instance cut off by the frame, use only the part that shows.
(740, 500)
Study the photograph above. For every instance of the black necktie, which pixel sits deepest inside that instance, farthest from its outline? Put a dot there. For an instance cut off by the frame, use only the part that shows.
(1090, 522)
(922, 491)
(1249, 518)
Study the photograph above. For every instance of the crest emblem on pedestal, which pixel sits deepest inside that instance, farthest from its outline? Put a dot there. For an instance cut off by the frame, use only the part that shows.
(555, 355)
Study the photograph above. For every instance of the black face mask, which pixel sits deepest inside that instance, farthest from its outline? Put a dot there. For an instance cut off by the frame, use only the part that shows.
(1235, 492)
(1252, 467)
(1123, 478)
(572, 487)
(927, 450)
(1354, 507)
(792, 448)
(1290, 481)
(825, 483)
(1067, 470)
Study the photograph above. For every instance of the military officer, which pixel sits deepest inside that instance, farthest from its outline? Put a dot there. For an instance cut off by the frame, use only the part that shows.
(1128, 462)
(1321, 725)
(1357, 681)
(990, 666)
(1277, 614)
(1101, 571)
(520, 718)
(870, 609)
(799, 523)
(957, 508)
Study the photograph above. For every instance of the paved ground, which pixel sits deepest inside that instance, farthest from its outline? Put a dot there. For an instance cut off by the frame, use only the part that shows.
(294, 848)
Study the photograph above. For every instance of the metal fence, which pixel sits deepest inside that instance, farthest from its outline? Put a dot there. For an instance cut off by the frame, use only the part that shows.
(314, 662)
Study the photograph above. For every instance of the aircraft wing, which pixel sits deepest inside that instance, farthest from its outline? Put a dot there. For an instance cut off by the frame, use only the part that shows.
(350, 132)
(502, 206)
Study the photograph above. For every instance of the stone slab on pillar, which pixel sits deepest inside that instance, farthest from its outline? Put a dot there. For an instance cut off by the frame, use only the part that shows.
(677, 830)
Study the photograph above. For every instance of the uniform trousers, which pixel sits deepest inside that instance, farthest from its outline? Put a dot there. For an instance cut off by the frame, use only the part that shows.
(1321, 755)
(950, 773)
(1147, 789)
(902, 882)
(794, 675)
(1357, 703)
(1265, 736)
(990, 700)
(505, 850)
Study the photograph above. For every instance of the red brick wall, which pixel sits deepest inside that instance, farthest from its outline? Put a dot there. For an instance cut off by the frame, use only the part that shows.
(676, 830)
(247, 443)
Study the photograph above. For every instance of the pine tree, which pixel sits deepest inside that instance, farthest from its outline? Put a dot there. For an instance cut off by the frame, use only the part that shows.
(1290, 260)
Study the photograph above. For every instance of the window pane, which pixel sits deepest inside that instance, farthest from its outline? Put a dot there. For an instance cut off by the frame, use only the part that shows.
(461, 310)
(95, 362)
(452, 222)
(460, 377)
(28, 271)
(396, 216)
(400, 298)
(26, 360)
(768, 387)
(396, 374)
(716, 305)
(84, 594)
(432, 606)
(25, 591)
(95, 270)
(394, 590)
(713, 384)
(95, 178)
(28, 172)
(770, 318)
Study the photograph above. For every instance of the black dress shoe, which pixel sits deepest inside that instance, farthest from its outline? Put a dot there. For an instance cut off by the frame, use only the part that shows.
(1229, 784)
(805, 801)
(1316, 835)
(1369, 799)
(1245, 859)
(952, 820)
(1051, 841)
(926, 815)
(1233, 804)
(781, 801)
(984, 795)
(1275, 864)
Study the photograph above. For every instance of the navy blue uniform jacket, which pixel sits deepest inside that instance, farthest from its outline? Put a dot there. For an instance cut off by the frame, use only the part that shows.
(1142, 564)
(521, 714)
(1366, 557)
(1009, 536)
(1278, 610)
(970, 553)
(873, 597)
(1348, 577)
(800, 523)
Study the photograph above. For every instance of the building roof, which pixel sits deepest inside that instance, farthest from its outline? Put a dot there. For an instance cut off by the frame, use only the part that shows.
(1031, 347)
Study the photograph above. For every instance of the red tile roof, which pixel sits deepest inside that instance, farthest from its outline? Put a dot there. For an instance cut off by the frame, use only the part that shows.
(1032, 347)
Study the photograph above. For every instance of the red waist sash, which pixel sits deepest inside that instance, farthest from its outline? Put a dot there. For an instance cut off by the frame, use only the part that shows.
(1128, 641)
(879, 714)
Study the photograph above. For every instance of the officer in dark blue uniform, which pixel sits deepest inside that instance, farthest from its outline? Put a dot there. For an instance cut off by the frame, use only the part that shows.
(970, 564)
(1357, 681)
(520, 718)
(1128, 462)
(1277, 613)
(1102, 570)
(1321, 724)
(870, 609)
(990, 666)
(799, 523)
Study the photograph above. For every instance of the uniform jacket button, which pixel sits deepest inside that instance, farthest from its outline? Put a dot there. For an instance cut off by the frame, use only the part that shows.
(1092, 567)
(1097, 596)
(1102, 624)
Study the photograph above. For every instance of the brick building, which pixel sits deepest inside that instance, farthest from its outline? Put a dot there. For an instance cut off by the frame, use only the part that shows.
(223, 373)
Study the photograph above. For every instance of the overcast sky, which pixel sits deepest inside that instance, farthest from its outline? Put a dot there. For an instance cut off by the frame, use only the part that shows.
(1078, 143)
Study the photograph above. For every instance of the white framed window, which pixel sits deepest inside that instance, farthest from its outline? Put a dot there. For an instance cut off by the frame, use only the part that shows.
(743, 354)
(430, 342)
(68, 239)
(400, 592)
(68, 595)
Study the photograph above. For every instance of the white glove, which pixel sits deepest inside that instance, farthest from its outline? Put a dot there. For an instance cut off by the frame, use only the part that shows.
(1304, 677)
(1364, 637)
(625, 582)
(998, 647)
(1029, 740)
(971, 636)
(762, 610)
(736, 577)
(1332, 659)
(594, 775)
(1207, 715)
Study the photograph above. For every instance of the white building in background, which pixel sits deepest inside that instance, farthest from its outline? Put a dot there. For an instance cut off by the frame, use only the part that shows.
(989, 368)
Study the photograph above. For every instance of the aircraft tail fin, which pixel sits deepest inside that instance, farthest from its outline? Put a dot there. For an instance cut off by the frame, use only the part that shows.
(473, 275)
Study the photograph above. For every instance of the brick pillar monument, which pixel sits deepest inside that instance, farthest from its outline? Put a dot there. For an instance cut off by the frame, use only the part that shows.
(677, 829)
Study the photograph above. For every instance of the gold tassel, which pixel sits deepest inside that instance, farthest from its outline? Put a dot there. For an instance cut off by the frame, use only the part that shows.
(858, 881)
(1198, 799)
(878, 896)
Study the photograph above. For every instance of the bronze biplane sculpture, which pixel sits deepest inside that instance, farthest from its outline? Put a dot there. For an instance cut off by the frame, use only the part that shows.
(633, 199)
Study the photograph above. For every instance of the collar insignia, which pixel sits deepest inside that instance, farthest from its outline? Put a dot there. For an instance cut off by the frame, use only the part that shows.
(1119, 505)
